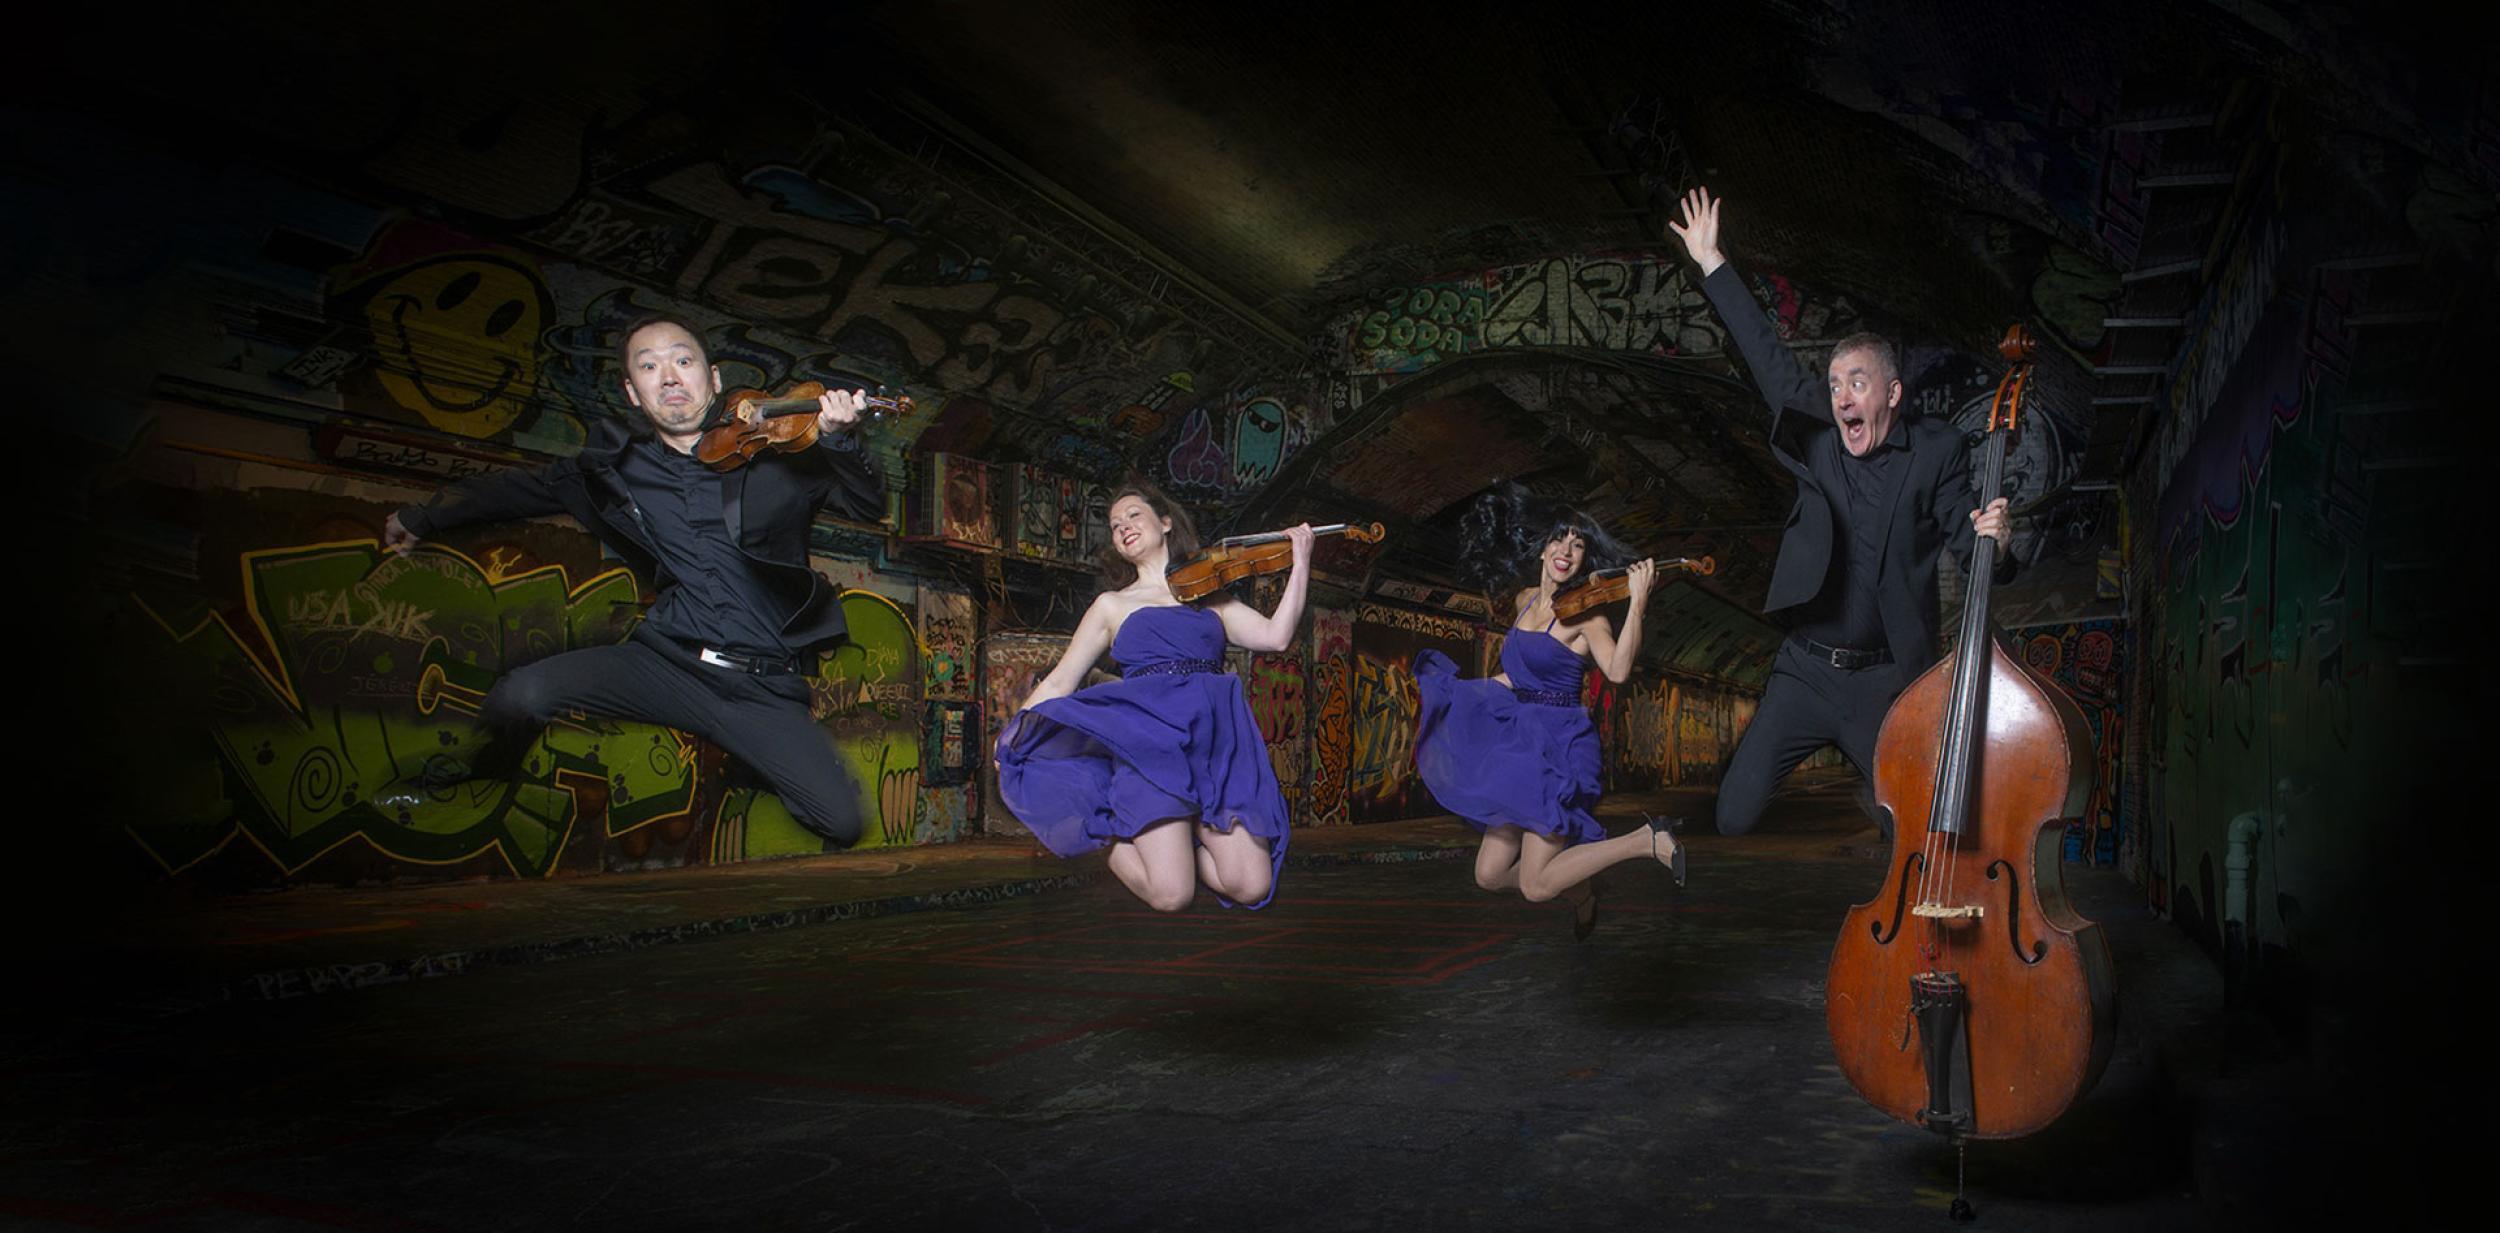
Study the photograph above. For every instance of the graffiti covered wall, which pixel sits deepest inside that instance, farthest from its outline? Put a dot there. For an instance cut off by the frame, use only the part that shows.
(470, 282)
(1332, 714)
(2290, 632)
(1279, 687)
(1373, 734)
(2088, 659)
(305, 683)
(1668, 733)
(1615, 301)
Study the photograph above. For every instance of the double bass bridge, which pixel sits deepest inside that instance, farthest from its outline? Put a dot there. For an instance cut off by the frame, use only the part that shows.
(1940, 911)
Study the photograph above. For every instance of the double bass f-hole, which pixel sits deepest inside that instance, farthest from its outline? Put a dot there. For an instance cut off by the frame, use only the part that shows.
(2013, 917)
(1900, 900)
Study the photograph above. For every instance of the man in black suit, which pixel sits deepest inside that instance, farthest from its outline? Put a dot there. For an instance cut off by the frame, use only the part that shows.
(1879, 498)
(726, 650)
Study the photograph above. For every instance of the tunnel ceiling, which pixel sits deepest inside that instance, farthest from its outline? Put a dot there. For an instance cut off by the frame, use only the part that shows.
(1317, 199)
(1925, 170)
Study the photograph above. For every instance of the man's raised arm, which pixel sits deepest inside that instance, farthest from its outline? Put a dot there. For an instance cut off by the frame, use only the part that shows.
(1786, 384)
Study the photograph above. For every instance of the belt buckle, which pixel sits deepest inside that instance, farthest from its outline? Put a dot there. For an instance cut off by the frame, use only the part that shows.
(718, 660)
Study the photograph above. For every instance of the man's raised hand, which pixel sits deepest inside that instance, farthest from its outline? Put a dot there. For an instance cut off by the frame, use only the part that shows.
(1700, 230)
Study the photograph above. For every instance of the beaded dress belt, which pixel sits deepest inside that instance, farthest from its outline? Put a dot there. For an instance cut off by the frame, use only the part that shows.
(1174, 667)
(1548, 697)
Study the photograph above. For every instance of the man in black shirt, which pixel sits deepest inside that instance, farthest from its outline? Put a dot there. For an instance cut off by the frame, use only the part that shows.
(1879, 499)
(726, 651)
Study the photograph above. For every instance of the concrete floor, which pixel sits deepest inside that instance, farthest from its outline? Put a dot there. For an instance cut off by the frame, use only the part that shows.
(1386, 1046)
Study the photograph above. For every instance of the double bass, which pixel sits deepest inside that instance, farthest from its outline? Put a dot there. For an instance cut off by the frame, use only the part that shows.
(1968, 997)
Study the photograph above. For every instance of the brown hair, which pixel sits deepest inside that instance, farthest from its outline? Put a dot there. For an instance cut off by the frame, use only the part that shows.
(1179, 542)
(1874, 344)
(624, 339)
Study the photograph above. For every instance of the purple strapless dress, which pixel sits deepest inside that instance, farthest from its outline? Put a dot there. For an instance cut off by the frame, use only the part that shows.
(1523, 755)
(1173, 738)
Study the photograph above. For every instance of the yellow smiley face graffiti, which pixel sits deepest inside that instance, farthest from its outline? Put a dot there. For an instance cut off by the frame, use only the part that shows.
(456, 341)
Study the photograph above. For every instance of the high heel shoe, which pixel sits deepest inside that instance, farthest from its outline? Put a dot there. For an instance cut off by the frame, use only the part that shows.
(1584, 914)
(1659, 825)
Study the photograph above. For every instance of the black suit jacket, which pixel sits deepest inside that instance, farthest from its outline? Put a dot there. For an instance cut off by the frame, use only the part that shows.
(767, 504)
(1929, 507)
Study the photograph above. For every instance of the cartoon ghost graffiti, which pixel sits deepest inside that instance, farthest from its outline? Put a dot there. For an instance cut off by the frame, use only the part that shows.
(1258, 442)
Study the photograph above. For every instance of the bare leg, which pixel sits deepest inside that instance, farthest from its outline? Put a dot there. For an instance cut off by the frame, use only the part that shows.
(1157, 865)
(1497, 869)
(1549, 868)
(1497, 859)
(1235, 864)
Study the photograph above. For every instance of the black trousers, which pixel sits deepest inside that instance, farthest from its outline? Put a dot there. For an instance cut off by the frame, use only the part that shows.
(1807, 704)
(761, 721)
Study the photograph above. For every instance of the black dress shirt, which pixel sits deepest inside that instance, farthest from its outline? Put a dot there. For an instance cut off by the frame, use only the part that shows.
(1844, 612)
(708, 595)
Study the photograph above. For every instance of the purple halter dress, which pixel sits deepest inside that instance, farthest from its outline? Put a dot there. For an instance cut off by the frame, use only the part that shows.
(1173, 738)
(1524, 755)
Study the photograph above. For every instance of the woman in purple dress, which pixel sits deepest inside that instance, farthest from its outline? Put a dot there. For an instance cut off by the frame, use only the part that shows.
(1515, 755)
(1164, 766)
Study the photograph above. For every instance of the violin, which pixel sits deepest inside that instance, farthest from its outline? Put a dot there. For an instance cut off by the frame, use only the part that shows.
(1235, 557)
(787, 421)
(1968, 996)
(1608, 586)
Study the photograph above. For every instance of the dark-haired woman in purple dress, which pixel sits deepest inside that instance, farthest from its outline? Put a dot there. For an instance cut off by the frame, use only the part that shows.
(1516, 755)
(1164, 766)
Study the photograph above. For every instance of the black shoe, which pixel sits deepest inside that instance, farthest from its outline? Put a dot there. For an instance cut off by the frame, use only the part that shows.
(1667, 826)
(441, 774)
(432, 784)
(1584, 915)
(738, 774)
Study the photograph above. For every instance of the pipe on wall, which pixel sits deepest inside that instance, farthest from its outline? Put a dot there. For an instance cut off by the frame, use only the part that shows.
(2238, 909)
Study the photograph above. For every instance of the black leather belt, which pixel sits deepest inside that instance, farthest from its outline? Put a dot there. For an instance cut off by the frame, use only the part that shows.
(1842, 656)
(752, 665)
